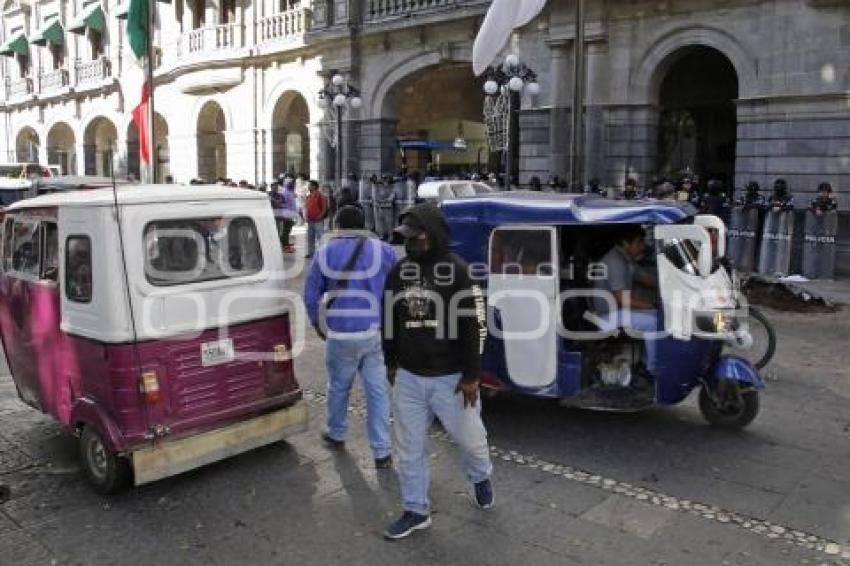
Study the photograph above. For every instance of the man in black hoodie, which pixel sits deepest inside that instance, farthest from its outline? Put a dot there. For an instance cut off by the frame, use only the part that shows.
(433, 321)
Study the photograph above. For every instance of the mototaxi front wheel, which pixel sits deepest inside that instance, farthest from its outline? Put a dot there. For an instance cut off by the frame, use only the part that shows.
(106, 471)
(732, 411)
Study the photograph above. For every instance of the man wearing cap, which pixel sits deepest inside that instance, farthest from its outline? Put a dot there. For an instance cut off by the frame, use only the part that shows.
(433, 320)
(343, 298)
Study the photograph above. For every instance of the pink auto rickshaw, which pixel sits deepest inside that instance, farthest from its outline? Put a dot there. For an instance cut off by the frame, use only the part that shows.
(152, 322)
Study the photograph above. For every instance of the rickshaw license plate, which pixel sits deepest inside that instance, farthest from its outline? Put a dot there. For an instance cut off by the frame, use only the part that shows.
(218, 352)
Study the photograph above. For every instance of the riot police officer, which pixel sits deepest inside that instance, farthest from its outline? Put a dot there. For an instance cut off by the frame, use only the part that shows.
(824, 202)
(384, 209)
(782, 199)
(684, 193)
(714, 201)
(365, 195)
(630, 191)
(752, 197)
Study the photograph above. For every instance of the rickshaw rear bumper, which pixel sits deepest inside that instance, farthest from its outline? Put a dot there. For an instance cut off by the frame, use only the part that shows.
(734, 368)
(170, 457)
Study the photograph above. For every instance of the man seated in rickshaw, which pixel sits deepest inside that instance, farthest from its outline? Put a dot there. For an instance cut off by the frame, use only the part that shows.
(617, 275)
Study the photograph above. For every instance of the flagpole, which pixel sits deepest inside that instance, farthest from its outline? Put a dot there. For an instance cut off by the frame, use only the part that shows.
(152, 174)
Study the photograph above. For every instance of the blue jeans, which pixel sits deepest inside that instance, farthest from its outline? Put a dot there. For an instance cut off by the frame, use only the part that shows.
(315, 231)
(416, 401)
(346, 354)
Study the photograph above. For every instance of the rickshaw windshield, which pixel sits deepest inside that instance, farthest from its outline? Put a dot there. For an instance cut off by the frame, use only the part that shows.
(683, 254)
(15, 171)
(8, 197)
(193, 250)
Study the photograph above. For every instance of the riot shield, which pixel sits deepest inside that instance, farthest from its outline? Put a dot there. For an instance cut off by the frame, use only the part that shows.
(366, 198)
(400, 192)
(384, 212)
(775, 256)
(743, 235)
(819, 244)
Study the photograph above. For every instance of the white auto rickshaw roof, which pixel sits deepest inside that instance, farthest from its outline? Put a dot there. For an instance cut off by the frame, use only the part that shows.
(139, 194)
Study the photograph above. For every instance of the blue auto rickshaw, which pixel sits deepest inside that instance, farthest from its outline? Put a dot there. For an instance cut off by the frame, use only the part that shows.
(538, 255)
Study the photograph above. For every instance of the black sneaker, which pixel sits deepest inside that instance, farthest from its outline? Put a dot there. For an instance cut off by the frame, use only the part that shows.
(384, 463)
(484, 494)
(406, 524)
(331, 442)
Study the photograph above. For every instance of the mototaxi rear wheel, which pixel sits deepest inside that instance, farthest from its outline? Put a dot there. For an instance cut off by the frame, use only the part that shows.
(733, 412)
(106, 471)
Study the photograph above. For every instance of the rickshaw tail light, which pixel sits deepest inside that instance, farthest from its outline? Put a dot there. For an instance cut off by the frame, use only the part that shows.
(281, 353)
(150, 386)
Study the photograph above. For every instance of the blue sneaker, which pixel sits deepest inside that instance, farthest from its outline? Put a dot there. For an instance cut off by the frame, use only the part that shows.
(406, 524)
(484, 494)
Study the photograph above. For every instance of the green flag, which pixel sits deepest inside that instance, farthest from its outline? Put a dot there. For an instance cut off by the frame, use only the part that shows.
(137, 27)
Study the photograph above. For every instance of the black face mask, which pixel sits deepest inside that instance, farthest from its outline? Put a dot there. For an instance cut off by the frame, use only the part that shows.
(416, 249)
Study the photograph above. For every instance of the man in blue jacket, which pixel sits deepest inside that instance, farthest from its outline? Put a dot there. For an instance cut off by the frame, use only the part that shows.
(343, 297)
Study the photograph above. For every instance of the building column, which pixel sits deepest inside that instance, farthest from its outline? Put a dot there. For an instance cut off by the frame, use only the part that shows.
(183, 157)
(42, 152)
(120, 159)
(240, 155)
(80, 149)
(378, 140)
(594, 117)
(560, 91)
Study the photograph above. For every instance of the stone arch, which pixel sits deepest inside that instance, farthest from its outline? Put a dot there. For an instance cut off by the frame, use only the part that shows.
(659, 57)
(61, 147)
(202, 103)
(291, 86)
(290, 134)
(382, 96)
(100, 137)
(432, 113)
(27, 145)
(212, 146)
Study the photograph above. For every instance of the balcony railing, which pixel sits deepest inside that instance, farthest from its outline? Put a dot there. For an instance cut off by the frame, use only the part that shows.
(211, 39)
(52, 80)
(16, 88)
(377, 10)
(93, 72)
(286, 26)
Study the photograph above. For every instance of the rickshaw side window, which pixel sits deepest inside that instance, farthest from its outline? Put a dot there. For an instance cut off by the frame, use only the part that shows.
(78, 272)
(11, 197)
(683, 254)
(26, 247)
(179, 252)
(521, 252)
(50, 252)
(8, 238)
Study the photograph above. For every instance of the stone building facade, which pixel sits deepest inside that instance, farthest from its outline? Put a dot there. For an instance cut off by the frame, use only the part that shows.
(749, 89)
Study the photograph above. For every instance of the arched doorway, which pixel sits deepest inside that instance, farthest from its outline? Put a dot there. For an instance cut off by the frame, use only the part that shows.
(26, 146)
(440, 128)
(698, 120)
(60, 148)
(162, 149)
(99, 145)
(134, 159)
(290, 135)
(212, 150)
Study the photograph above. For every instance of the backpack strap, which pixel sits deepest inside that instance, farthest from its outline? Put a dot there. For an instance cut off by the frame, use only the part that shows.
(341, 284)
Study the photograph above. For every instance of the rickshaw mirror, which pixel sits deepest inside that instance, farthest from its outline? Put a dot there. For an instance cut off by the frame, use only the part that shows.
(711, 222)
(694, 233)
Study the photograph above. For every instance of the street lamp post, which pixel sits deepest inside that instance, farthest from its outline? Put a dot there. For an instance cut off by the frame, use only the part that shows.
(336, 96)
(511, 79)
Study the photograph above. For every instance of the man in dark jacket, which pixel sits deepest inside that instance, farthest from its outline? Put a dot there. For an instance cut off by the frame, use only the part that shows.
(432, 347)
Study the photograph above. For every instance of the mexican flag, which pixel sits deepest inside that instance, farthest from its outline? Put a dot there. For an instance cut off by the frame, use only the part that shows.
(134, 86)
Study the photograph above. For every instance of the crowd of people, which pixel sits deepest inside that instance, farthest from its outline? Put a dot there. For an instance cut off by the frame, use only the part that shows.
(382, 198)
